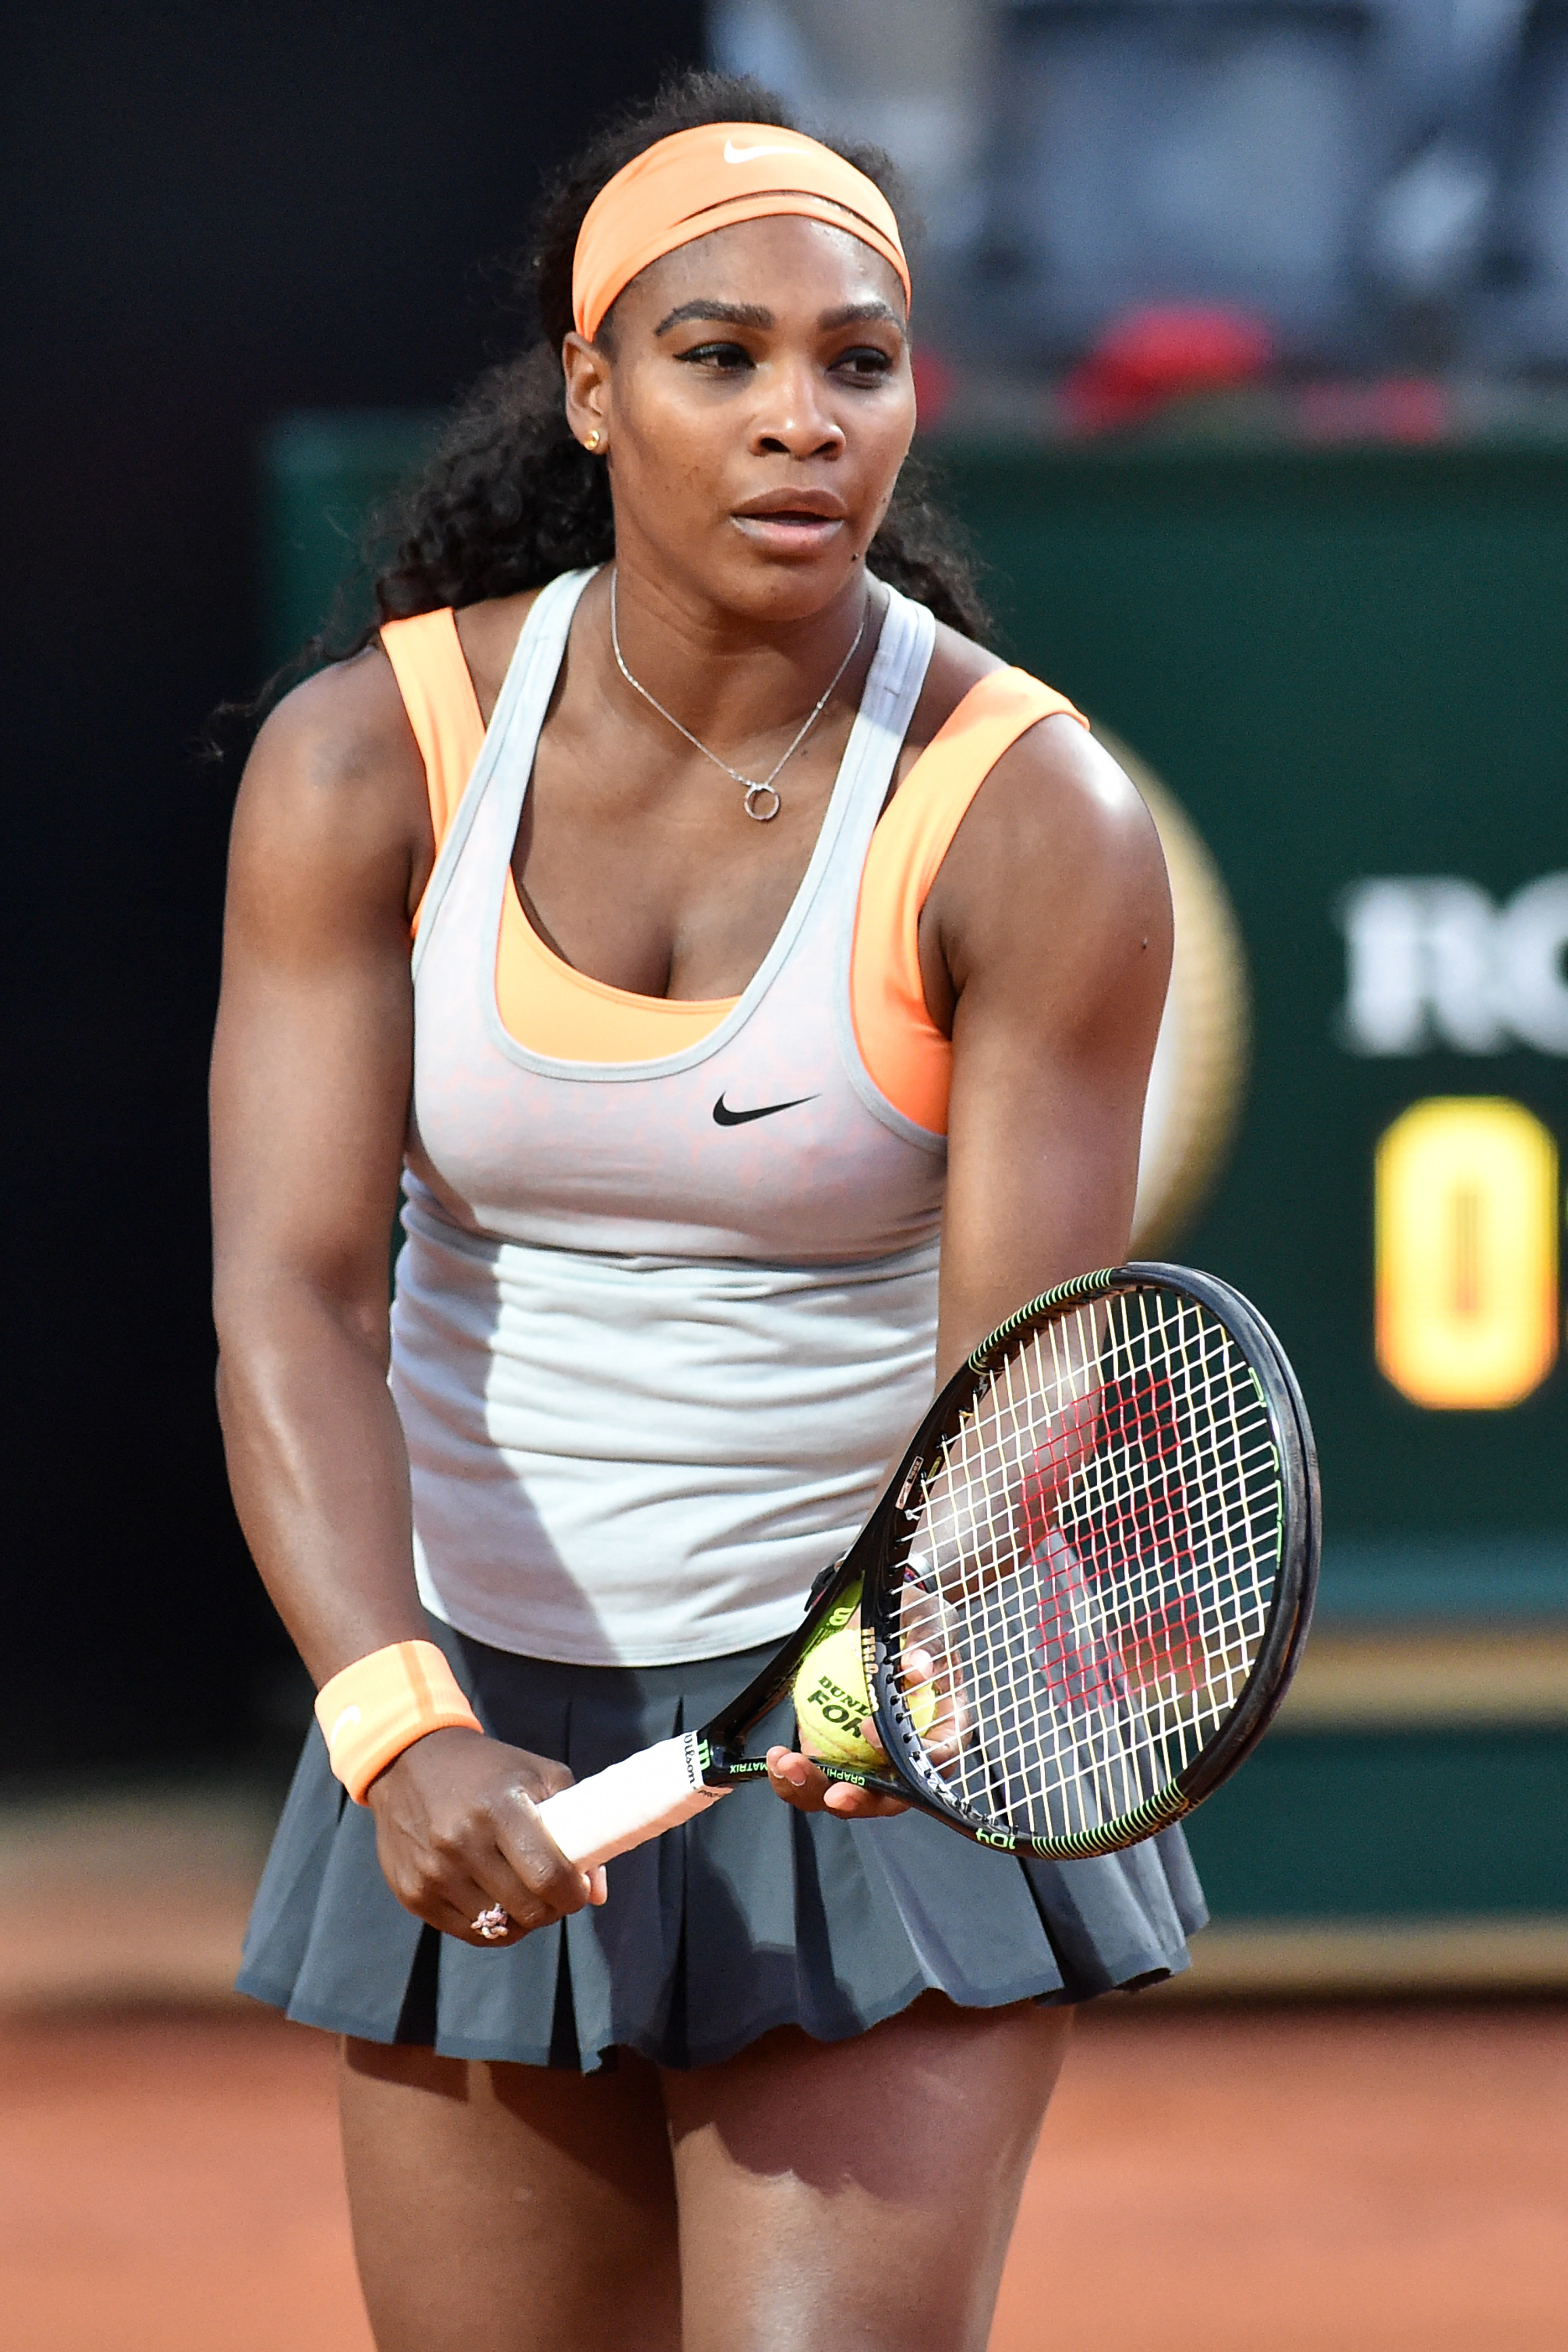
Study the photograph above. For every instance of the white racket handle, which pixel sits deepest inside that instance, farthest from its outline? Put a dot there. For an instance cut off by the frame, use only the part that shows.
(628, 1804)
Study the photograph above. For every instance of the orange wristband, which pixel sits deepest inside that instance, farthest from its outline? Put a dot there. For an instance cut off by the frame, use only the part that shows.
(381, 1704)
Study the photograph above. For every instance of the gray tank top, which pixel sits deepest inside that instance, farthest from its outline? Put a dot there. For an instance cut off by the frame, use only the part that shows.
(654, 1357)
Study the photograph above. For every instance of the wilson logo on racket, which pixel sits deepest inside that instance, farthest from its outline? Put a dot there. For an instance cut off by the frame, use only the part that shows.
(1131, 1422)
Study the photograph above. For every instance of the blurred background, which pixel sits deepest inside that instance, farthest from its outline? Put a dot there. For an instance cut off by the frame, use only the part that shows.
(1243, 355)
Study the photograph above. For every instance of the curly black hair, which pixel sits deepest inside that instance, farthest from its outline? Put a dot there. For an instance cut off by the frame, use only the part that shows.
(510, 498)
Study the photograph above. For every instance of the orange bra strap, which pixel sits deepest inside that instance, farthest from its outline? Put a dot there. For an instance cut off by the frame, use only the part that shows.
(905, 1051)
(442, 706)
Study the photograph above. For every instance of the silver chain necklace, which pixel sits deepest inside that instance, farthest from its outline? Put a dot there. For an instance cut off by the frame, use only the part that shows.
(756, 787)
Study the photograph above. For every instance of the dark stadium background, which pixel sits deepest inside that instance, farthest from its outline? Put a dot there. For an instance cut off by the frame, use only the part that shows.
(215, 214)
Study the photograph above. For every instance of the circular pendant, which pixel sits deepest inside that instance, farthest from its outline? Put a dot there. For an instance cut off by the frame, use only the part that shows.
(754, 795)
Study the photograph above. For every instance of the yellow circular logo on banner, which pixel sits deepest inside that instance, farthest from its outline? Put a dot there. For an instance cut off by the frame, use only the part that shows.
(1199, 1074)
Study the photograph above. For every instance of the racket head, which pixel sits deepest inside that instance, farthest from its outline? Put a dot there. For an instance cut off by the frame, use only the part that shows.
(1112, 1514)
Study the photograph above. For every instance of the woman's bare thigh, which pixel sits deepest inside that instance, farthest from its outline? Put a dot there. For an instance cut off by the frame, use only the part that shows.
(510, 2209)
(858, 2192)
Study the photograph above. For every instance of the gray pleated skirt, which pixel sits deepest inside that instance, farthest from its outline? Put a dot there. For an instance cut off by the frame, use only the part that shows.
(750, 1916)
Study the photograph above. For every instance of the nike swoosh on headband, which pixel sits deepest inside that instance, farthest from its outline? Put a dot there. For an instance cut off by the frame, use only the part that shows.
(724, 1117)
(734, 154)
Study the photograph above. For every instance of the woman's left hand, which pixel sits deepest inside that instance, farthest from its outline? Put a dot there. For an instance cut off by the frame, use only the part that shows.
(806, 1787)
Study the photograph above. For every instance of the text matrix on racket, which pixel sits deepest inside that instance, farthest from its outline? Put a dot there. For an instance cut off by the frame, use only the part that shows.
(1093, 1563)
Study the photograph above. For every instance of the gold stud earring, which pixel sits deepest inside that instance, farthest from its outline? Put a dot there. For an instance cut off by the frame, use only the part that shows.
(594, 438)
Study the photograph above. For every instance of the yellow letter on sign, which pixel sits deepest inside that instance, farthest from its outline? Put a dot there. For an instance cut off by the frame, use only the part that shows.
(1467, 1253)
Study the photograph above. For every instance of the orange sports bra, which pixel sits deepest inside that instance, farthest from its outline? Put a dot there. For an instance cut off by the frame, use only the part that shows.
(553, 1010)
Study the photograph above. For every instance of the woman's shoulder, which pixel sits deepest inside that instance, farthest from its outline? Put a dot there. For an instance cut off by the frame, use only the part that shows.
(1054, 798)
(344, 716)
(336, 777)
(488, 633)
(353, 710)
(958, 664)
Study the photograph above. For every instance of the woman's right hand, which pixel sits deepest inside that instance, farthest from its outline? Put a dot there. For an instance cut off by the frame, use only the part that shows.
(456, 1831)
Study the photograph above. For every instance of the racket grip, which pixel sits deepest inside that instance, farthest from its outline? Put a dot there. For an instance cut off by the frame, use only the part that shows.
(626, 1804)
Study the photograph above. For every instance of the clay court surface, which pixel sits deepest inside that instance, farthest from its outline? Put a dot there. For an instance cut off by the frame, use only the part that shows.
(1361, 2179)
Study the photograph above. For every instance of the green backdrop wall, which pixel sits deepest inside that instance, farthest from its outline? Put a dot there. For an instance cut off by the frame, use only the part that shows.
(1346, 666)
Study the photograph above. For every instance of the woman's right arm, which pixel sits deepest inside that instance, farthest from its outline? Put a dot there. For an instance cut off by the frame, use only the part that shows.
(311, 1071)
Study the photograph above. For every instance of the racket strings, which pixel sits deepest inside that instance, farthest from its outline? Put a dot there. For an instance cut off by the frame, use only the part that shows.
(1093, 1561)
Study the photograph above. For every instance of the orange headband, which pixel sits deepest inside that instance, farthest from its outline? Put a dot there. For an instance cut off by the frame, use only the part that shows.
(685, 186)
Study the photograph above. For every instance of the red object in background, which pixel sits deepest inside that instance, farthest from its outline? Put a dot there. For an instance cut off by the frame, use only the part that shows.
(1151, 356)
(935, 384)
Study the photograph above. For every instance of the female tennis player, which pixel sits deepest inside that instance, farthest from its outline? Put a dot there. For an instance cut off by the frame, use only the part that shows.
(785, 974)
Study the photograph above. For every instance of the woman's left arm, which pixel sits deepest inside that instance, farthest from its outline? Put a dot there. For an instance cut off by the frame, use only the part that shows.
(1045, 948)
(1046, 943)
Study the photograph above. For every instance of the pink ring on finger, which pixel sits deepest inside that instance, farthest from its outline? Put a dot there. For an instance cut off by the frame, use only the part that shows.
(493, 1923)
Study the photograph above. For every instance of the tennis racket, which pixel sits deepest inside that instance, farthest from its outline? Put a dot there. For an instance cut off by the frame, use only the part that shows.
(1090, 1581)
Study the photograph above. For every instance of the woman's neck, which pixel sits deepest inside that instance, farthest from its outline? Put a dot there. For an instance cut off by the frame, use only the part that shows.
(729, 677)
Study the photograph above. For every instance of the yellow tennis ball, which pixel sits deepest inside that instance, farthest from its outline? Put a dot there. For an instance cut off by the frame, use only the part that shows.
(832, 1705)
